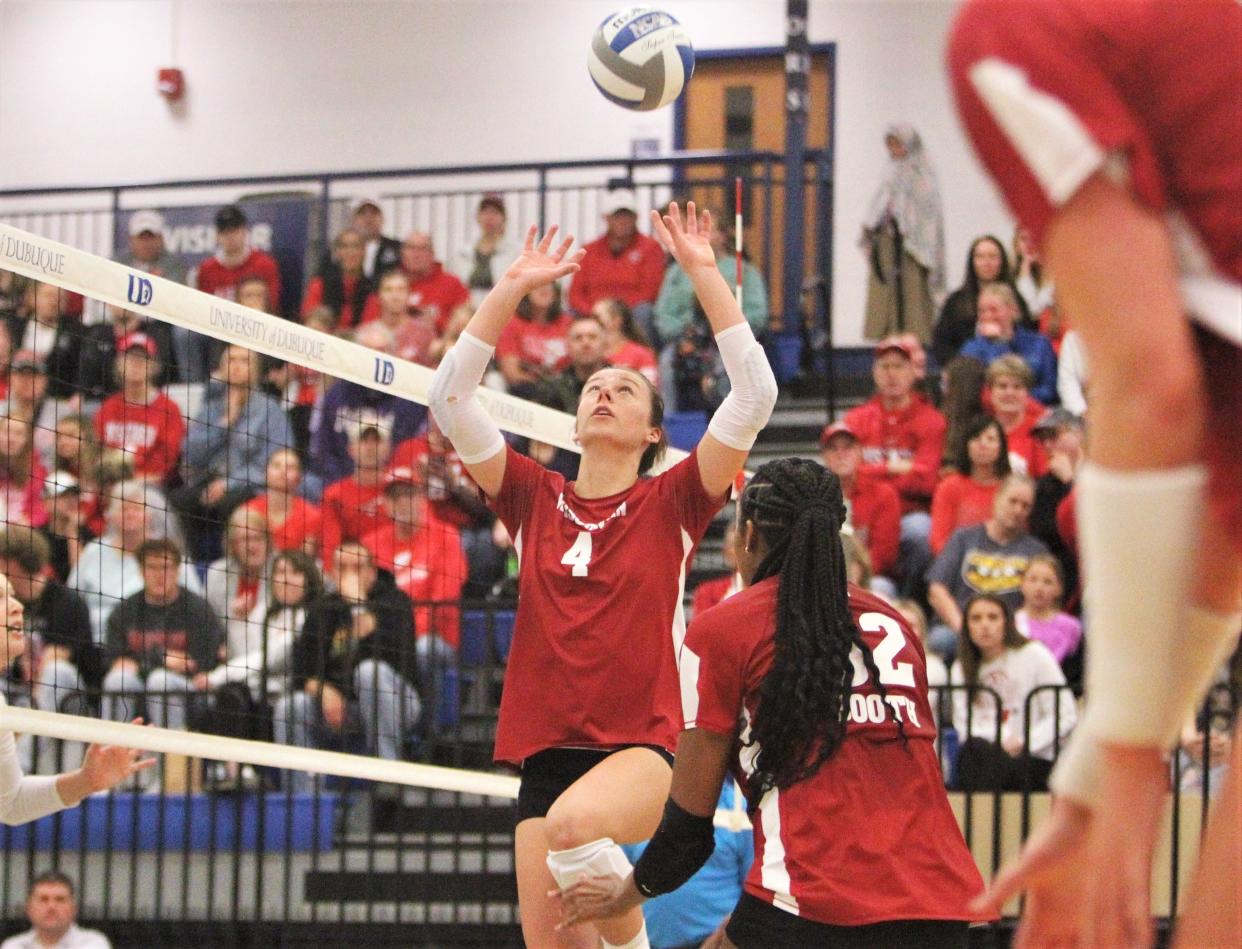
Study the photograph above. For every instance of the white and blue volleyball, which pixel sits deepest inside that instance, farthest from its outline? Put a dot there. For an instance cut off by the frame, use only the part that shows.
(641, 58)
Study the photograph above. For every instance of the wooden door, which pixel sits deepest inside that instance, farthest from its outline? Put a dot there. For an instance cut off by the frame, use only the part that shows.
(738, 102)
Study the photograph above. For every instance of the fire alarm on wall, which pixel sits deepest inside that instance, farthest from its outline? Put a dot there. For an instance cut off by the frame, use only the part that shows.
(171, 84)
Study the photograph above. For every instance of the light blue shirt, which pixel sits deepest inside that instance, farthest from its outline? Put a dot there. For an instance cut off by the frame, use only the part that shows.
(691, 913)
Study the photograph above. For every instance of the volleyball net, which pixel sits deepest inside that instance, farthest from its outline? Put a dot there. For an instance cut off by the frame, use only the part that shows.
(248, 531)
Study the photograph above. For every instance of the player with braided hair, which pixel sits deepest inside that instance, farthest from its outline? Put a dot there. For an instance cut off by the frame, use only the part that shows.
(814, 693)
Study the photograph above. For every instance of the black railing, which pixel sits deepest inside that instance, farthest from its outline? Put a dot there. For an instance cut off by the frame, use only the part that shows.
(267, 866)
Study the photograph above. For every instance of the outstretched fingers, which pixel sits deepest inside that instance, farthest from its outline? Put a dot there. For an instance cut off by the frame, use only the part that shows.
(546, 243)
(660, 230)
(561, 251)
(692, 219)
(531, 233)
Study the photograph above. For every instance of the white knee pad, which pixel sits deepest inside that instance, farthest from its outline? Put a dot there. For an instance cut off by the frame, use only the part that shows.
(598, 858)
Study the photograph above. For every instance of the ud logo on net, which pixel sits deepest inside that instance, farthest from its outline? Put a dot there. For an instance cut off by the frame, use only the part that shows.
(140, 290)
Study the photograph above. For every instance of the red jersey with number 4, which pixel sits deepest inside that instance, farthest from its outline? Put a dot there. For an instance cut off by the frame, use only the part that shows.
(599, 618)
(870, 837)
(1051, 93)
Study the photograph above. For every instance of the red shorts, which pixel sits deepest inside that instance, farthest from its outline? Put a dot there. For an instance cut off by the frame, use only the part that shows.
(1222, 369)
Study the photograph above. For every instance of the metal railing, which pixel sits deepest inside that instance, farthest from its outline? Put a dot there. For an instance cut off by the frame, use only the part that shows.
(442, 201)
(268, 866)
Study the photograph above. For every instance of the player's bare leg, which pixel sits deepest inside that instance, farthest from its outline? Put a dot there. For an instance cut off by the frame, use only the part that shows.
(1213, 915)
(621, 798)
(539, 914)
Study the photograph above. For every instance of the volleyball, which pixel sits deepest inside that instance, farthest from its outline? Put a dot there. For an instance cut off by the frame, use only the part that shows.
(641, 59)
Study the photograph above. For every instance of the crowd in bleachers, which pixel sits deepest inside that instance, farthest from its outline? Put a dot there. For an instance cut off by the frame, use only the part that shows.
(219, 539)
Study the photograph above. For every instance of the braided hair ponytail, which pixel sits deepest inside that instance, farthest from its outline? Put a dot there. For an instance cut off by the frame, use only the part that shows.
(797, 508)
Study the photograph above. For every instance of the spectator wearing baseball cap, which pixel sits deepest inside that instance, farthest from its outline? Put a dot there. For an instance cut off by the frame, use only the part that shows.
(148, 253)
(424, 556)
(139, 420)
(27, 400)
(480, 265)
(97, 368)
(902, 440)
(620, 263)
(352, 506)
(1063, 435)
(146, 246)
(221, 275)
(381, 253)
(874, 508)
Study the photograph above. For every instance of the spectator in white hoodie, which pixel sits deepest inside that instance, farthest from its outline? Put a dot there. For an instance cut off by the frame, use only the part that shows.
(1000, 749)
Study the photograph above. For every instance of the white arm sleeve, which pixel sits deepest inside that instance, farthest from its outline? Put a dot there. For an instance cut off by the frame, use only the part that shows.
(474, 434)
(1206, 642)
(23, 798)
(748, 406)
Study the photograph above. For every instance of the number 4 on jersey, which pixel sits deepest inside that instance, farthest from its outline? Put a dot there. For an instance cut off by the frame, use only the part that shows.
(579, 555)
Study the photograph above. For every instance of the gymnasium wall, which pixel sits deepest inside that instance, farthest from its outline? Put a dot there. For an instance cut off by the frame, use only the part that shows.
(315, 85)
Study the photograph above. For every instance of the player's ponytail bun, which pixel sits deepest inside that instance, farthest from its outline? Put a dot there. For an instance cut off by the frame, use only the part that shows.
(797, 508)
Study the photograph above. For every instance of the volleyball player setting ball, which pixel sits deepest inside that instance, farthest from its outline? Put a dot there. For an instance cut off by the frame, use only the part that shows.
(814, 693)
(1114, 132)
(591, 708)
(26, 798)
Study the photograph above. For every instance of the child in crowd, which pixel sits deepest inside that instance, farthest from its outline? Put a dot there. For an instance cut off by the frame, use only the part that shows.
(1041, 617)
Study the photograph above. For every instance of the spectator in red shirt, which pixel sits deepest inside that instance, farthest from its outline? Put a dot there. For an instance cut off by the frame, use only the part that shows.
(621, 263)
(412, 335)
(966, 496)
(902, 438)
(455, 500)
(221, 276)
(424, 556)
(532, 346)
(873, 506)
(341, 285)
(434, 291)
(625, 344)
(141, 421)
(1008, 397)
(351, 507)
(293, 523)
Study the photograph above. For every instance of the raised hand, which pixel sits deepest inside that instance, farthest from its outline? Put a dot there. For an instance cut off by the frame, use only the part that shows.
(106, 766)
(689, 243)
(539, 264)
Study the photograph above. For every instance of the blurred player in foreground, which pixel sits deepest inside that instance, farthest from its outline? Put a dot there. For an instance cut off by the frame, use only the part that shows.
(1114, 131)
(855, 842)
(591, 706)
